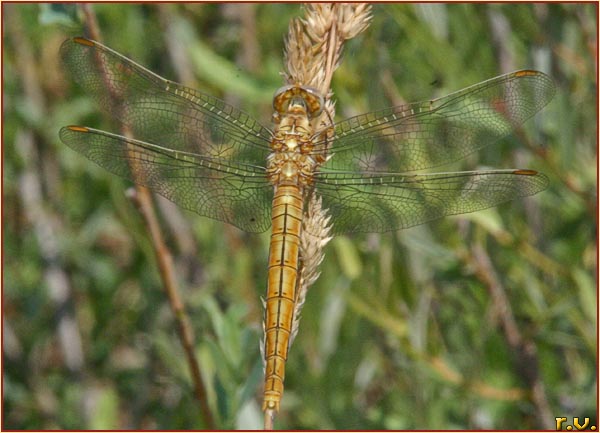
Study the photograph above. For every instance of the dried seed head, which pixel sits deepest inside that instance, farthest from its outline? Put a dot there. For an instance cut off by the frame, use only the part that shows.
(315, 235)
(313, 52)
(314, 44)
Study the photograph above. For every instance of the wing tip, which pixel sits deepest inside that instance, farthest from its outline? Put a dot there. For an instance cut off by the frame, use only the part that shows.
(539, 182)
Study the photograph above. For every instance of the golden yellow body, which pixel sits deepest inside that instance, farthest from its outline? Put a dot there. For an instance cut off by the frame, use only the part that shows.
(290, 169)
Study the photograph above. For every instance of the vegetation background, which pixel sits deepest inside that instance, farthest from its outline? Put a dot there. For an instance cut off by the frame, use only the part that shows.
(480, 321)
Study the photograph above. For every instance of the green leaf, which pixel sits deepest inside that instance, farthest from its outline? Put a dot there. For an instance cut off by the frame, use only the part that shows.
(105, 412)
(348, 257)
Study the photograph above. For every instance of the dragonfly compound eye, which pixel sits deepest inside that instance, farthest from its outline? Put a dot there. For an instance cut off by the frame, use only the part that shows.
(314, 100)
(308, 97)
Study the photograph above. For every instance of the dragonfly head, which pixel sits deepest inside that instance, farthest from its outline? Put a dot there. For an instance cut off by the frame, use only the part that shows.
(294, 99)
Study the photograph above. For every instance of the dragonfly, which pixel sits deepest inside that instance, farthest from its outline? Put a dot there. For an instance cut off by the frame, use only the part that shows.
(211, 158)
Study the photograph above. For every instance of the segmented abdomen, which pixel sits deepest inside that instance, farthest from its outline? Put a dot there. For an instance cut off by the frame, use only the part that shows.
(281, 289)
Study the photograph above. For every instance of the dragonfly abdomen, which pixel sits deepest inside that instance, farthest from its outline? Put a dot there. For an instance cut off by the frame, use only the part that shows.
(281, 289)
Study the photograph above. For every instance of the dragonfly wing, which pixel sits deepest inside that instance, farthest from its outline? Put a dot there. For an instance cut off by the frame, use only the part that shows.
(431, 133)
(380, 203)
(163, 112)
(235, 193)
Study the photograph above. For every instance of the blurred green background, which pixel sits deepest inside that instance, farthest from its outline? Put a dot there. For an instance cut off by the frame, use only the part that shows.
(480, 321)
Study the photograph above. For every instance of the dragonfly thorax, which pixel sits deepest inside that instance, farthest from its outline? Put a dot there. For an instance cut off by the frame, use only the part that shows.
(291, 162)
(290, 168)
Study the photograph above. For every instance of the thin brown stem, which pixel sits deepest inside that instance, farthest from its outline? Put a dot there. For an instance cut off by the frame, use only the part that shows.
(330, 62)
(143, 200)
(526, 359)
(269, 419)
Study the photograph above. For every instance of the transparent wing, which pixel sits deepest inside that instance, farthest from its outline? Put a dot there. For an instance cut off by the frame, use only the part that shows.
(428, 134)
(380, 202)
(232, 192)
(209, 157)
(162, 112)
